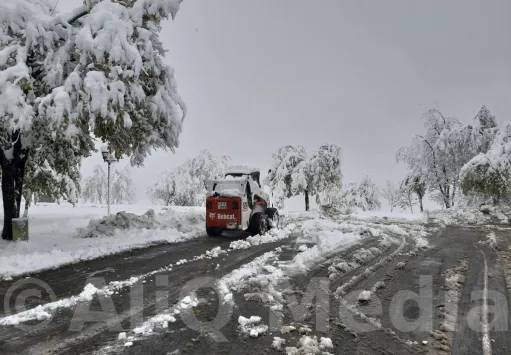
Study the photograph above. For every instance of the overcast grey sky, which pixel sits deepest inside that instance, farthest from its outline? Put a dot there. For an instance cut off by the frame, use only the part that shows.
(257, 75)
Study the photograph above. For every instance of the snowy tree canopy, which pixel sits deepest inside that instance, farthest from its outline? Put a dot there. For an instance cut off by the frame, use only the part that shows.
(285, 162)
(325, 171)
(293, 173)
(122, 188)
(445, 147)
(364, 195)
(185, 185)
(64, 78)
(94, 187)
(489, 173)
(390, 193)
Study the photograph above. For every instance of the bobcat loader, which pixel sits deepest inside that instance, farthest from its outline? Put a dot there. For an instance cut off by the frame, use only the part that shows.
(238, 203)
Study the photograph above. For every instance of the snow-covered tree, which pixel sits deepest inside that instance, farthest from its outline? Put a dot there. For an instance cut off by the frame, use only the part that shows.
(294, 173)
(95, 186)
(414, 184)
(122, 188)
(445, 147)
(364, 195)
(408, 196)
(164, 190)
(185, 185)
(324, 168)
(279, 179)
(64, 78)
(488, 174)
(390, 193)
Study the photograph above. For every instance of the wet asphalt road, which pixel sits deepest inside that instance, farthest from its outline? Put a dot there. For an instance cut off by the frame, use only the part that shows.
(409, 329)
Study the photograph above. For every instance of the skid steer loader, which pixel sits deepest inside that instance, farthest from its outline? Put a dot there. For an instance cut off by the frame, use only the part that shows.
(238, 203)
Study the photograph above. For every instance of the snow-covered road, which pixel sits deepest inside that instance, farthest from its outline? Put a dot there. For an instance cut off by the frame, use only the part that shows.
(260, 294)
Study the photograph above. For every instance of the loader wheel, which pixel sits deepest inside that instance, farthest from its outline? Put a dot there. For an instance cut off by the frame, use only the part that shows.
(257, 224)
(213, 232)
(273, 215)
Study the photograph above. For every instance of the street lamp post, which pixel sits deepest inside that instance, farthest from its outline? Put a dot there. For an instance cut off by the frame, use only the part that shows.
(109, 159)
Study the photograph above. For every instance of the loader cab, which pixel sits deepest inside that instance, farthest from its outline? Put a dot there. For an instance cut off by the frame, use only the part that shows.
(241, 171)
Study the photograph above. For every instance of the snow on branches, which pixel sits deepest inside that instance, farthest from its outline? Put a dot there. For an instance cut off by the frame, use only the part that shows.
(488, 174)
(440, 153)
(185, 185)
(293, 173)
(97, 71)
(122, 189)
(364, 196)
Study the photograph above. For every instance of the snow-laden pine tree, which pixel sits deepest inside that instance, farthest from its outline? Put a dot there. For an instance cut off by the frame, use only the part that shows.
(364, 196)
(185, 185)
(64, 78)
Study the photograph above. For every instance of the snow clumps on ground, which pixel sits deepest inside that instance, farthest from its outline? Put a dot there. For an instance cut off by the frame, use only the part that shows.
(251, 326)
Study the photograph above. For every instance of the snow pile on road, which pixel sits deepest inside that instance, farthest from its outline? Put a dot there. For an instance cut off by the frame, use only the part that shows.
(310, 345)
(235, 280)
(45, 311)
(271, 236)
(469, 215)
(53, 241)
(491, 240)
(251, 326)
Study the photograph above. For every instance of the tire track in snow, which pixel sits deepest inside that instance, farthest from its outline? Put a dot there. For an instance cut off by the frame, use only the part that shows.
(14, 341)
(484, 319)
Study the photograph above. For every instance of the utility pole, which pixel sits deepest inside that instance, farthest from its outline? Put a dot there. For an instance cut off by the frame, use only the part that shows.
(109, 159)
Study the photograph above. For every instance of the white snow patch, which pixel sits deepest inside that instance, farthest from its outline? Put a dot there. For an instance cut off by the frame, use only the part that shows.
(271, 236)
(277, 343)
(364, 296)
(234, 281)
(54, 242)
(303, 247)
(310, 345)
(251, 326)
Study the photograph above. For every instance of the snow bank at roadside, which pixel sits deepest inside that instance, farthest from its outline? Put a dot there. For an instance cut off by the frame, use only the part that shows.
(54, 241)
(463, 215)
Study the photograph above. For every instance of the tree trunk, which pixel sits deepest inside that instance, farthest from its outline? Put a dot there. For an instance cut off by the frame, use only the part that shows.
(306, 200)
(13, 173)
(19, 176)
(420, 204)
(9, 200)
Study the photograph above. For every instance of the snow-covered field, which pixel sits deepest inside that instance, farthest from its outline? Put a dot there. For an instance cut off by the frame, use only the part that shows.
(55, 238)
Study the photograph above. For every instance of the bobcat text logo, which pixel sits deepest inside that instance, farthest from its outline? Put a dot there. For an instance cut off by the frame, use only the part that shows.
(212, 215)
(226, 216)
